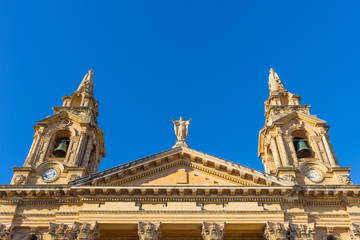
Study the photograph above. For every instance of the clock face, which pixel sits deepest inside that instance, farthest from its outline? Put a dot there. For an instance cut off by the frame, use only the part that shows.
(314, 175)
(49, 174)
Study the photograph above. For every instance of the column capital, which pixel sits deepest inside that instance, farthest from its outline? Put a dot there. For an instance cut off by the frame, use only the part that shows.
(6, 231)
(213, 231)
(302, 231)
(354, 231)
(275, 231)
(149, 230)
(88, 231)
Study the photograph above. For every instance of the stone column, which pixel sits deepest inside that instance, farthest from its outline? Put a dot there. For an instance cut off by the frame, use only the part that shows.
(34, 147)
(89, 147)
(149, 231)
(290, 144)
(80, 148)
(315, 140)
(275, 153)
(328, 150)
(213, 231)
(285, 157)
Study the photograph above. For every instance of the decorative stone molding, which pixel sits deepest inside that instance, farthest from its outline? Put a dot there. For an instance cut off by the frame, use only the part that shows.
(213, 231)
(88, 231)
(276, 231)
(63, 231)
(6, 232)
(149, 230)
(74, 177)
(302, 231)
(19, 179)
(345, 179)
(354, 231)
(78, 231)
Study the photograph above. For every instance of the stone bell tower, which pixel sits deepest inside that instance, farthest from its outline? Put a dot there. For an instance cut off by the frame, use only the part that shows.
(67, 145)
(295, 144)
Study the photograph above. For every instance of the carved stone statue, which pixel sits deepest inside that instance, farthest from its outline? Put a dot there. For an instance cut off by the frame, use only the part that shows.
(181, 128)
(87, 84)
(275, 83)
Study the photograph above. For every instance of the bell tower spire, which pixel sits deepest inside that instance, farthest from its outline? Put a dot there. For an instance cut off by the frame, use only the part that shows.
(295, 144)
(67, 145)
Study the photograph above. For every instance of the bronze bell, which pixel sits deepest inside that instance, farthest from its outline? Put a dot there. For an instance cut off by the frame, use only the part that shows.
(60, 151)
(302, 148)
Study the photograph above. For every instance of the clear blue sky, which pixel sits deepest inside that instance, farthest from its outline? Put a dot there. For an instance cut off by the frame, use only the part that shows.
(154, 60)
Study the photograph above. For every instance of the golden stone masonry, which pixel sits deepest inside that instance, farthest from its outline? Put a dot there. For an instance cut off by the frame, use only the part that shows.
(181, 193)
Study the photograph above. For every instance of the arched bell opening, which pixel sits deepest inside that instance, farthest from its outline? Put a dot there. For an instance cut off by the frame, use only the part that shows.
(284, 99)
(76, 102)
(302, 145)
(60, 144)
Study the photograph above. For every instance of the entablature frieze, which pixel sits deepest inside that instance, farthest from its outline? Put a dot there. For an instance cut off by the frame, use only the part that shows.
(185, 212)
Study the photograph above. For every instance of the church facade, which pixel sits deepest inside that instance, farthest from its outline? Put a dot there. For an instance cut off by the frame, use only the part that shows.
(181, 193)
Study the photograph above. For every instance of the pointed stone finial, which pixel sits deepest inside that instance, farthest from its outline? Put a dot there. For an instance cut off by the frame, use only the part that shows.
(275, 83)
(87, 84)
(181, 128)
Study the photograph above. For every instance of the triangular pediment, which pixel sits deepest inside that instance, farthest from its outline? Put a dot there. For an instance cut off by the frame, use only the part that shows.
(62, 116)
(312, 119)
(181, 166)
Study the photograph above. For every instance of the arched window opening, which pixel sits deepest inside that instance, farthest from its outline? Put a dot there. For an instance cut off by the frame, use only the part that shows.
(76, 101)
(61, 144)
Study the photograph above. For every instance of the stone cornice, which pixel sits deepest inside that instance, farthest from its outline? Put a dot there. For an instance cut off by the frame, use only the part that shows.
(59, 191)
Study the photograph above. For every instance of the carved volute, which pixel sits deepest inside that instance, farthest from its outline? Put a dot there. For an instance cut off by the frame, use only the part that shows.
(213, 231)
(149, 230)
